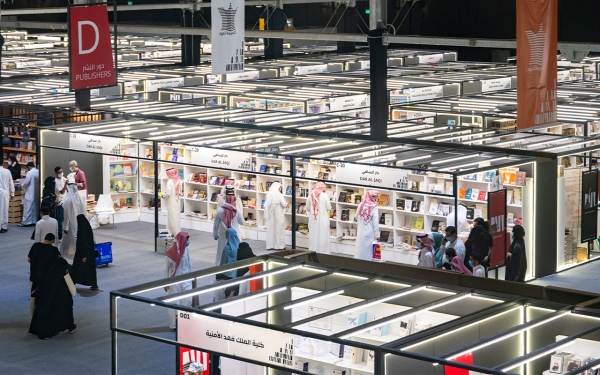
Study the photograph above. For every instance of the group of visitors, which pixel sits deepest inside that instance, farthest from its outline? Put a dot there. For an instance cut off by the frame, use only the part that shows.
(472, 257)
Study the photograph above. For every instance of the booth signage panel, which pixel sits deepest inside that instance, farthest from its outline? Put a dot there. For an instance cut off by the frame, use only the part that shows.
(563, 76)
(212, 157)
(411, 115)
(365, 64)
(431, 59)
(389, 178)
(495, 84)
(311, 69)
(227, 36)
(497, 219)
(187, 356)
(423, 93)
(90, 49)
(160, 54)
(152, 85)
(589, 205)
(32, 64)
(348, 102)
(236, 339)
(537, 30)
(95, 143)
(245, 76)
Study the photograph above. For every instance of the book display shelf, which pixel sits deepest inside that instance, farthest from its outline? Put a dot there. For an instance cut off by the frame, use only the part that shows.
(123, 183)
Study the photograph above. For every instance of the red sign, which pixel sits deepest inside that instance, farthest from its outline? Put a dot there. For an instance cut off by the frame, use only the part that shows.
(189, 356)
(497, 219)
(537, 32)
(467, 359)
(90, 49)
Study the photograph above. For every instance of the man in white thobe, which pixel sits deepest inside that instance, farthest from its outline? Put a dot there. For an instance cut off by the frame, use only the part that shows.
(46, 225)
(275, 215)
(7, 192)
(31, 199)
(219, 226)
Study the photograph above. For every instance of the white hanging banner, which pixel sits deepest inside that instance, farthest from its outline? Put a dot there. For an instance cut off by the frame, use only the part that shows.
(348, 102)
(95, 143)
(310, 69)
(423, 93)
(371, 176)
(244, 76)
(152, 85)
(236, 339)
(227, 36)
(212, 157)
(431, 59)
(495, 84)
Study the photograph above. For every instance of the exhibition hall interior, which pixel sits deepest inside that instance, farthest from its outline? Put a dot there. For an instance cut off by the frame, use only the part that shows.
(282, 187)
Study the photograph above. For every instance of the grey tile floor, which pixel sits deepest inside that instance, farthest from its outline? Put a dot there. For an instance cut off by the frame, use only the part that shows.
(88, 350)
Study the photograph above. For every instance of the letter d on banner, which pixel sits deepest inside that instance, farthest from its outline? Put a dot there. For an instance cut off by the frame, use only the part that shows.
(90, 48)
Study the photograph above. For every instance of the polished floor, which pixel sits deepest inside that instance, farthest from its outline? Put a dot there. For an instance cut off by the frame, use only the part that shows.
(88, 351)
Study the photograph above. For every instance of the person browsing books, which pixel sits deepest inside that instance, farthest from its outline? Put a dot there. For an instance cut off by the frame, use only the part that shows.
(367, 218)
(317, 207)
(451, 240)
(228, 216)
(426, 255)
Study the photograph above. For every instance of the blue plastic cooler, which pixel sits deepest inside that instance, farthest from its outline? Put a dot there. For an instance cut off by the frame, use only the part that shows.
(105, 251)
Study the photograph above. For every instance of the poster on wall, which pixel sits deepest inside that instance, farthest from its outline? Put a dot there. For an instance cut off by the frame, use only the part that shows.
(90, 49)
(236, 339)
(537, 30)
(497, 219)
(589, 205)
(227, 36)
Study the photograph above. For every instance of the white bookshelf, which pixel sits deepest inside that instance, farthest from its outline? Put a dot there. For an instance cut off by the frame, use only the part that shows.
(122, 183)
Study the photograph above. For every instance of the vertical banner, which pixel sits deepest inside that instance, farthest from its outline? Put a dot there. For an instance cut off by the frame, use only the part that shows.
(589, 205)
(227, 36)
(497, 218)
(536, 62)
(192, 361)
(90, 49)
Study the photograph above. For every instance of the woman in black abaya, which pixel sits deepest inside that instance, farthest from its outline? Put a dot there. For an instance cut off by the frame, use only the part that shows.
(84, 262)
(53, 300)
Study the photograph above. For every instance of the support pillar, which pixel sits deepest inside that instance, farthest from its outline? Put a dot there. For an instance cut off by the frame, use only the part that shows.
(546, 208)
(348, 24)
(379, 94)
(186, 40)
(274, 47)
(82, 100)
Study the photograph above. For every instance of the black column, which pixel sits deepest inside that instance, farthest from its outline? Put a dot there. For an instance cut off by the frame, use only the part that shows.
(274, 47)
(82, 100)
(196, 39)
(348, 24)
(186, 40)
(379, 94)
(546, 207)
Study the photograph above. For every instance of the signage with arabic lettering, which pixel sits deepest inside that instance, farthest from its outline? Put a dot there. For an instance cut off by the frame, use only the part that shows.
(245, 76)
(431, 59)
(153, 85)
(310, 69)
(389, 178)
(95, 143)
(495, 84)
(423, 93)
(229, 159)
(236, 339)
(348, 102)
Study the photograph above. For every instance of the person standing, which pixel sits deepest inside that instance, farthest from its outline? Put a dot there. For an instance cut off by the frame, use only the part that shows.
(317, 206)
(45, 225)
(84, 262)
(274, 213)
(451, 240)
(38, 256)
(60, 188)
(53, 299)
(426, 255)
(173, 195)
(367, 216)
(436, 243)
(14, 168)
(31, 199)
(478, 269)
(73, 206)
(516, 258)
(230, 190)
(227, 216)
(178, 263)
(80, 179)
(7, 192)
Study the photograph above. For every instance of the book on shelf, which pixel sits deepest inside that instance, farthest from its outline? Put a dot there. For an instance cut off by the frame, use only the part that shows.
(352, 214)
(433, 207)
(384, 236)
(470, 213)
(419, 224)
(129, 202)
(400, 204)
(127, 186)
(517, 197)
(357, 199)
(449, 187)
(228, 181)
(436, 188)
(252, 203)
(349, 198)
(510, 218)
(264, 168)
(388, 220)
(345, 215)
(416, 206)
(462, 193)
(382, 330)
(446, 209)
(381, 218)
(128, 169)
(288, 190)
(509, 196)
(383, 200)
(468, 193)
(482, 195)
(262, 204)
(123, 202)
(116, 170)
(489, 176)
(261, 187)
(301, 209)
(408, 203)
(214, 197)
(435, 226)
(190, 193)
(474, 194)
(245, 201)
(520, 178)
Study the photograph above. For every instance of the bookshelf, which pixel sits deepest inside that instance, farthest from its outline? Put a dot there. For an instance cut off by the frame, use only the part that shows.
(123, 183)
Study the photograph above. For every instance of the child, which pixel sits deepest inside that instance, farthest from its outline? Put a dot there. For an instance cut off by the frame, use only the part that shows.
(477, 259)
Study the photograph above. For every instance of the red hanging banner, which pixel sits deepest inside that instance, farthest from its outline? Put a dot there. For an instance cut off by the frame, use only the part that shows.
(90, 49)
(537, 25)
(497, 219)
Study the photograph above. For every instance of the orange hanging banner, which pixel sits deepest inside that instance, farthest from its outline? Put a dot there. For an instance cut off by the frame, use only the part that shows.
(537, 25)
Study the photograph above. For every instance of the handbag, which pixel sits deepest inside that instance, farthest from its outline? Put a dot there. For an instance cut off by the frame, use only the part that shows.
(70, 284)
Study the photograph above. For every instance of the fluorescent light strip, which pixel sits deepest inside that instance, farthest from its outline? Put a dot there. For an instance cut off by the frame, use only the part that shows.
(349, 275)
(405, 316)
(504, 337)
(313, 300)
(392, 283)
(549, 351)
(245, 299)
(382, 300)
(195, 293)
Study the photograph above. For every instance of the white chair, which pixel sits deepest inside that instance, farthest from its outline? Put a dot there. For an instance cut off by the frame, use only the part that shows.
(105, 206)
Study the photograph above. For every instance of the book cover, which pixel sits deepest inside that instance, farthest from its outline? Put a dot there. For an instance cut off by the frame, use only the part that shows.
(400, 204)
(353, 355)
(433, 208)
(482, 195)
(345, 215)
(127, 169)
(213, 197)
(408, 204)
(388, 220)
(383, 199)
(129, 202)
(462, 193)
(356, 319)
(419, 223)
(382, 219)
(416, 205)
(468, 193)
(342, 197)
(470, 213)
(357, 199)
(520, 178)
(384, 236)
(449, 188)
(474, 194)
(288, 190)
(263, 168)
(510, 218)
(489, 176)
(435, 226)
(382, 330)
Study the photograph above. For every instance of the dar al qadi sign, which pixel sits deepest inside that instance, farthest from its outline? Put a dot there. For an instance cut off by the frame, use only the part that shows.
(227, 36)
(537, 30)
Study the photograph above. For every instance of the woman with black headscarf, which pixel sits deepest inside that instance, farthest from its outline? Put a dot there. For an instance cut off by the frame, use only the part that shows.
(14, 167)
(49, 197)
(84, 262)
(516, 258)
